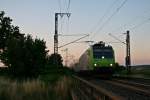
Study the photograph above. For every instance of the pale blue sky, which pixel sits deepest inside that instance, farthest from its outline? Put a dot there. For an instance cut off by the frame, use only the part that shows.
(36, 17)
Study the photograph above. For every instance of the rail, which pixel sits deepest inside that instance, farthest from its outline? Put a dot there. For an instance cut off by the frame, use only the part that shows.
(84, 90)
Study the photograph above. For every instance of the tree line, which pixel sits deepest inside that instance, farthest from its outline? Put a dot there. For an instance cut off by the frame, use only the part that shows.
(23, 55)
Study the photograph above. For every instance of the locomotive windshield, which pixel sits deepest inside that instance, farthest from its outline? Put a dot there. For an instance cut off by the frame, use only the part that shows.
(102, 52)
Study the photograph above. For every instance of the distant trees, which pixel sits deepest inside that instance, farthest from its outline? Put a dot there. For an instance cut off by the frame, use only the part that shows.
(55, 60)
(23, 55)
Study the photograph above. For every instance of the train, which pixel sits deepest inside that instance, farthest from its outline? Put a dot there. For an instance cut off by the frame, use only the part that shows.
(99, 59)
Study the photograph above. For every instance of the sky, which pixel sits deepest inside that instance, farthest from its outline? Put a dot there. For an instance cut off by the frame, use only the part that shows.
(97, 18)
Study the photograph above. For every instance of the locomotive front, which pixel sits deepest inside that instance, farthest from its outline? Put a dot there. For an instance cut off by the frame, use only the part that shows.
(102, 57)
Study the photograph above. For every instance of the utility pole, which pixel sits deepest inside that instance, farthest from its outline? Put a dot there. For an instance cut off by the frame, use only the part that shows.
(128, 57)
(127, 43)
(56, 30)
(56, 34)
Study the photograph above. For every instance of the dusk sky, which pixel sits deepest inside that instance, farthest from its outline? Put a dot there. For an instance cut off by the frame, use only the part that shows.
(97, 18)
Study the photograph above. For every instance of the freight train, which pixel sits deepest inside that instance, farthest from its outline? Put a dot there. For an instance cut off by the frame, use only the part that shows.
(98, 59)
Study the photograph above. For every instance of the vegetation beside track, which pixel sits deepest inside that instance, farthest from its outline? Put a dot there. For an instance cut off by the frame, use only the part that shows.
(141, 71)
(52, 84)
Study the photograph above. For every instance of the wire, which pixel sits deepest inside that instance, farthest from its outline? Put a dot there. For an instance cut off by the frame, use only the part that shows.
(73, 41)
(117, 10)
(61, 24)
(59, 3)
(68, 8)
(131, 21)
(61, 21)
(140, 24)
(65, 5)
(85, 42)
(100, 20)
(71, 34)
(117, 38)
(112, 42)
(106, 22)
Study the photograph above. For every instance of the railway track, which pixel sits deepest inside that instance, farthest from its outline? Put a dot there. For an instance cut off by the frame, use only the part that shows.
(144, 81)
(121, 89)
(129, 90)
(143, 86)
(85, 90)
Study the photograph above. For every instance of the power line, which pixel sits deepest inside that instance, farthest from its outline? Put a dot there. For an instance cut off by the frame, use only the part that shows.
(59, 3)
(131, 21)
(85, 42)
(116, 11)
(71, 34)
(68, 8)
(140, 24)
(100, 20)
(65, 7)
(117, 38)
(73, 41)
(106, 22)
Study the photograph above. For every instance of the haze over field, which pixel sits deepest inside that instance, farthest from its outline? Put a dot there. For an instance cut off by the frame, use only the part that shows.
(97, 18)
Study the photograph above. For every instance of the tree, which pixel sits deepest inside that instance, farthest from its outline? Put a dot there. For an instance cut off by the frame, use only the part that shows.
(55, 60)
(23, 55)
(7, 30)
(26, 56)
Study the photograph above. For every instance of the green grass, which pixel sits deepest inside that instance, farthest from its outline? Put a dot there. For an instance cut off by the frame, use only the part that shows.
(136, 72)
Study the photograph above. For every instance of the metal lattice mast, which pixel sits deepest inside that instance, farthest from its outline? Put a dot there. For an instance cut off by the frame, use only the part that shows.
(56, 30)
(127, 43)
(56, 34)
(128, 58)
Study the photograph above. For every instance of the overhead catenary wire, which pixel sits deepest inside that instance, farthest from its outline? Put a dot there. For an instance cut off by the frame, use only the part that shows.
(61, 21)
(71, 34)
(64, 6)
(68, 10)
(101, 18)
(115, 12)
(140, 24)
(59, 3)
(73, 41)
(133, 20)
(107, 21)
(85, 42)
(117, 38)
(68, 7)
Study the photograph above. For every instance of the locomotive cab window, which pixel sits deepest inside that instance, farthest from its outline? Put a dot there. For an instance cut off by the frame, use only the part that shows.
(102, 52)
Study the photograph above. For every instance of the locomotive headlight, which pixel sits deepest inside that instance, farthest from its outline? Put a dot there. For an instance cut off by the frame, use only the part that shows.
(95, 64)
(111, 64)
(103, 57)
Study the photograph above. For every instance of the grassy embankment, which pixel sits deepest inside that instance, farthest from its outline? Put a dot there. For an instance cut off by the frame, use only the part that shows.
(52, 84)
(142, 71)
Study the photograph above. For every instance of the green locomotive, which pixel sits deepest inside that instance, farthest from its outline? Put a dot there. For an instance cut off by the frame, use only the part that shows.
(99, 58)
